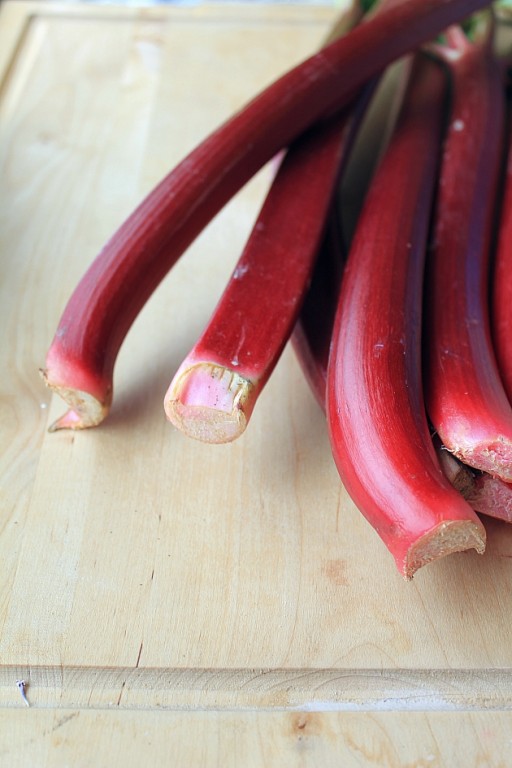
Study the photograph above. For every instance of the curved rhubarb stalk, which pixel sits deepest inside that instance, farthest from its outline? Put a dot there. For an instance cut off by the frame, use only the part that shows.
(377, 424)
(501, 304)
(466, 402)
(81, 359)
(215, 389)
(485, 494)
(311, 337)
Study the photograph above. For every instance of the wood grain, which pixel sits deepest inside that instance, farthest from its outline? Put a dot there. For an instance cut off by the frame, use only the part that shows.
(142, 571)
(254, 739)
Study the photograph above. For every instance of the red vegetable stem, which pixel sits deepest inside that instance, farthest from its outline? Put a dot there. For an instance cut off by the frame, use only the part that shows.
(466, 402)
(80, 362)
(215, 389)
(311, 336)
(485, 494)
(501, 287)
(377, 424)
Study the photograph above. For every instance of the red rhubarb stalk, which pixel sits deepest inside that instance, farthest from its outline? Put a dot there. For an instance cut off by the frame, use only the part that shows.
(311, 336)
(485, 494)
(215, 389)
(502, 284)
(377, 424)
(466, 402)
(80, 362)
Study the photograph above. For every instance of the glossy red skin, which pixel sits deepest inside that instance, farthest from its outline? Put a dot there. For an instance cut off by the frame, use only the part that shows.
(259, 307)
(466, 402)
(502, 282)
(132, 264)
(377, 424)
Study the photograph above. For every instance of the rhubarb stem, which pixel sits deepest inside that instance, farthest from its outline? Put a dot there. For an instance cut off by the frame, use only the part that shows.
(213, 394)
(311, 337)
(466, 402)
(501, 284)
(377, 424)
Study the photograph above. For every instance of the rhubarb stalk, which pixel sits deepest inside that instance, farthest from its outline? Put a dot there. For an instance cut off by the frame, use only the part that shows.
(377, 424)
(215, 389)
(466, 402)
(80, 362)
(501, 304)
(311, 336)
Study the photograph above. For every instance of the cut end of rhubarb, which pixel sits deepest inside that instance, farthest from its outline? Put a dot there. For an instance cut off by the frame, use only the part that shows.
(445, 539)
(85, 410)
(209, 402)
(494, 458)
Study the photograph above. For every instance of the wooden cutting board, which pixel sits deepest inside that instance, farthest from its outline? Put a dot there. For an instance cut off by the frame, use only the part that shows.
(223, 605)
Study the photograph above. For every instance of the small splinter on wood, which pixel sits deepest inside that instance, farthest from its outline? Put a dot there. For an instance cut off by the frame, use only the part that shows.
(22, 687)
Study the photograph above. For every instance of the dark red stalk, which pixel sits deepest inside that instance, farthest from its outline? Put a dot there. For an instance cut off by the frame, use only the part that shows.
(377, 423)
(311, 336)
(81, 358)
(214, 391)
(485, 494)
(466, 402)
(502, 283)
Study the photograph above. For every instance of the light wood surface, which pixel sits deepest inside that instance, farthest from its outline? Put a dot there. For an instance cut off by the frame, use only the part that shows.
(154, 588)
(254, 739)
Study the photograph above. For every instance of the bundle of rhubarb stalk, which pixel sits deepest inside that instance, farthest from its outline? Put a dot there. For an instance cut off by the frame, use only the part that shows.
(382, 250)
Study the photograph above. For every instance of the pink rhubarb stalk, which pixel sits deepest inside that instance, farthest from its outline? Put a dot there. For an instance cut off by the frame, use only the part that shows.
(485, 494)
(378, 428)
(215, 389)
(466, 402)
(502, 284)
(80, 362)
(311, 336)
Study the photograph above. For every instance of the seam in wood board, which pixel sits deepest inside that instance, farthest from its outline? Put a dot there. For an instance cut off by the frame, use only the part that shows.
(314, 690)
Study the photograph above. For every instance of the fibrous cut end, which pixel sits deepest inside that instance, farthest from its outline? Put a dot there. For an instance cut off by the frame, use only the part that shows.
(85, 410)
(445, 539)
(494, 458)
(209, 402)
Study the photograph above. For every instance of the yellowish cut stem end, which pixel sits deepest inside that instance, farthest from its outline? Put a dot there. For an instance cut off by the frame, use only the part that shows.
(445, 539)
(85, 410)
